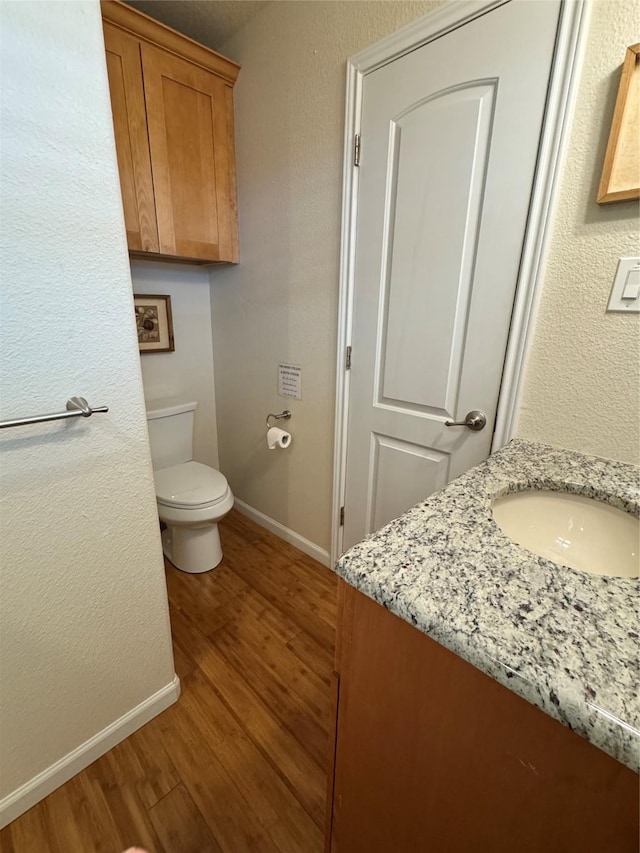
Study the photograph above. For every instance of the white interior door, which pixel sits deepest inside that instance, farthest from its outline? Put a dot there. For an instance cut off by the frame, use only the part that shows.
(450, 136)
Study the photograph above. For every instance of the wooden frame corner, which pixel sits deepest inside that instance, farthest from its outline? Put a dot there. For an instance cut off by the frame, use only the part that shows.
(620, 179)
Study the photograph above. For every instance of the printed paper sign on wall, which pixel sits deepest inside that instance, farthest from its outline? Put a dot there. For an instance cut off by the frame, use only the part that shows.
(290, 381)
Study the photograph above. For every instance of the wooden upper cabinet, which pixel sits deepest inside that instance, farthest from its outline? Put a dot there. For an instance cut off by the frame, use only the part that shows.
(172, 104)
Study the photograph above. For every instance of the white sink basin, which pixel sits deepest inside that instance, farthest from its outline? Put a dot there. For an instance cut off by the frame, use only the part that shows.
(572, 530)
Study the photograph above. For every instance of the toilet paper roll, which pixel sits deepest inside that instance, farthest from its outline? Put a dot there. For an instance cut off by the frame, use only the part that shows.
(278, 438)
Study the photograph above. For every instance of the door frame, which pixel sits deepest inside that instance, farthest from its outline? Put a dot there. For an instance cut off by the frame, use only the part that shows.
(563, 89)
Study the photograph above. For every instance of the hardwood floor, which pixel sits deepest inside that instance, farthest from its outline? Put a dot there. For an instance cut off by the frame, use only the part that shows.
(239, 763)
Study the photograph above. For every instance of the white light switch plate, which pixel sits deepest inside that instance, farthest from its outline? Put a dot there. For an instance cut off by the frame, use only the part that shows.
(625, 293)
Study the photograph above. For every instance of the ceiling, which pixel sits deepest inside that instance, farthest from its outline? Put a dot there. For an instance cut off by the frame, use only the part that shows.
(211, 22)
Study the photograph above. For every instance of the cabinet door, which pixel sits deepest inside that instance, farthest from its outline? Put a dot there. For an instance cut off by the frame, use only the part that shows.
(130, 125)
(434, 755)
(190, 121)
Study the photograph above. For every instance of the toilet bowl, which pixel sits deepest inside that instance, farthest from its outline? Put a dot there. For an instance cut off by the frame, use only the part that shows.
(191, 497)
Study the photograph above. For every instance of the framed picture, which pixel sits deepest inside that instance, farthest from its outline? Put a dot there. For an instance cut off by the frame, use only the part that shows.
(621, 172)
(153, 322)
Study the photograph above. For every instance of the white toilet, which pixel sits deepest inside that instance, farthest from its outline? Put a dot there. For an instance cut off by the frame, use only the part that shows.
(192, 497)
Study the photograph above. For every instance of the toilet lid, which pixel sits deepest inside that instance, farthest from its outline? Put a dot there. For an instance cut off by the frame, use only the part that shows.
(189, 484)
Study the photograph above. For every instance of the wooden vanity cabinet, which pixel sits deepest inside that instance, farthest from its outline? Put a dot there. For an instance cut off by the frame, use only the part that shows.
(433, 755)
(172, 104)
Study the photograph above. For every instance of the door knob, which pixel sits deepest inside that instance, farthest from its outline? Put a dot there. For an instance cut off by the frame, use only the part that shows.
(475, 420)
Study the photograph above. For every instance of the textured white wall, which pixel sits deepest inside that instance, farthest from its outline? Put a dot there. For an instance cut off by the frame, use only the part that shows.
(83, 607)
(281, 302)
(582, 385)
(186, 373)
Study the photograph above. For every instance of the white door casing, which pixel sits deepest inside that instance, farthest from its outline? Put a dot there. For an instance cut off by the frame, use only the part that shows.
(461, 135)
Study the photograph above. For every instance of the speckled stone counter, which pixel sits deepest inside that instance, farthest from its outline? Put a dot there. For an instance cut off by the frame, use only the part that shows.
(565, 640)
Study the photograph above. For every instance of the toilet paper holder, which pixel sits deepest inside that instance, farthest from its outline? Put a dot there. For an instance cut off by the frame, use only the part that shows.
(282, 416)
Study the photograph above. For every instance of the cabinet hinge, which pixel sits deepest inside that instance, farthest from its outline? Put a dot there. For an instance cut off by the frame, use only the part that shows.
(356, 150)
(341, 516)
(347, 362)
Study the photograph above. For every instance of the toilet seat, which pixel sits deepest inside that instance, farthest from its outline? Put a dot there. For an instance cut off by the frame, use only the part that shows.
(190, 485)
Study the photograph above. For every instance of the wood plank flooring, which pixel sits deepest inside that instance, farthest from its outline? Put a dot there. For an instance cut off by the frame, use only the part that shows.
(239, 763)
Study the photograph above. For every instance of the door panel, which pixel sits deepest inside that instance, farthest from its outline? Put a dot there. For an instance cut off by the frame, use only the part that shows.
(190, 163)
(450, 135)
(400, 471)
(190, 133)
(425, 322)
(130, 127)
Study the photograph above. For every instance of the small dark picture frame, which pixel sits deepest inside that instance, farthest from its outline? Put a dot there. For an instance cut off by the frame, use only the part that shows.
(153, 323)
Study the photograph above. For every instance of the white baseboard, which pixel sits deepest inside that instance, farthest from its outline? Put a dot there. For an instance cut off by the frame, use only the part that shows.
(36, 789)
(283, 532)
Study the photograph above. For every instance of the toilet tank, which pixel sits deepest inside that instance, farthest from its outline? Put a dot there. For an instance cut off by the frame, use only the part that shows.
(170, 425)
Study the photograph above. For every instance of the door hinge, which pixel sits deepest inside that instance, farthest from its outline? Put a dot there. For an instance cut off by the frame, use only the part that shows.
(347, 363)
(356, 150)
(341, 516)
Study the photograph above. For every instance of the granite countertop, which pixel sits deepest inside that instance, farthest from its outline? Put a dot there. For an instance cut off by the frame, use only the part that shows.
(565, 640)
